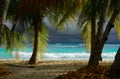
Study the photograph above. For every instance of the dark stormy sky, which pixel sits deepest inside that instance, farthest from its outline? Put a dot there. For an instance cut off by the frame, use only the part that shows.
(73, 35)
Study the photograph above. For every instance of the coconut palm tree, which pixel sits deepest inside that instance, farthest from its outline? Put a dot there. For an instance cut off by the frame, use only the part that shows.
(8, 38)
(32, 13)
(3, 12)
(12, 40)
(94, 17)
(34, 16)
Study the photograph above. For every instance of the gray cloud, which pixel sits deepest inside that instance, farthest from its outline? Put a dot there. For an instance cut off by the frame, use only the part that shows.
(73, 36)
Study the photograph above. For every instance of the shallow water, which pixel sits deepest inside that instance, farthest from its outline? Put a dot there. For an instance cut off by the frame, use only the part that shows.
(63, 51)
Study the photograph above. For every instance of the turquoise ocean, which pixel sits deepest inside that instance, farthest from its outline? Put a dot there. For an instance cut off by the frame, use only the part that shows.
(62, 51)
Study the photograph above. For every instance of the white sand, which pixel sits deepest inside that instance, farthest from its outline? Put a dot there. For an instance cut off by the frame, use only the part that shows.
(43, 70)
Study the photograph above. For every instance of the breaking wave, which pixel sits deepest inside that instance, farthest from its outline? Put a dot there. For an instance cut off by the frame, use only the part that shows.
(65, 56)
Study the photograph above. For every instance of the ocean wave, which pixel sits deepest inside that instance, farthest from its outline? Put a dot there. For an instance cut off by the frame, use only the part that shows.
(66, 45)
(113, 45)
(22, 55)
(65, 56)
(74, 46)
(60, 45)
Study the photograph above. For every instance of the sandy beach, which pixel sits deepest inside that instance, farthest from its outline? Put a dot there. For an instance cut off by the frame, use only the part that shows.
(43, 70)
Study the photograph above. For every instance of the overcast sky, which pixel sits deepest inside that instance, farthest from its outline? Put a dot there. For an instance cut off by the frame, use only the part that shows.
(72, 35)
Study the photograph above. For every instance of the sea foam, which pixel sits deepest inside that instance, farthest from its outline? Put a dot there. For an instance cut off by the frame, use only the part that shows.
(65, 56)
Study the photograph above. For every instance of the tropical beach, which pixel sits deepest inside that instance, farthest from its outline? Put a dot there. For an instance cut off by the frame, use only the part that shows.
(59, 39)
(43, 70)
(59, 59)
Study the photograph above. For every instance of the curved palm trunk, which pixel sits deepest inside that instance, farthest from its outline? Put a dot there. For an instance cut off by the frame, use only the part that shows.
(115, 67)
(98, 44)
(33, 59)
(3, 12)
(109, 26)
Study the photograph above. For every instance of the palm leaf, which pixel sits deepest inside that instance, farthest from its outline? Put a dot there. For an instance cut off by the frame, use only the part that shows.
(12, 40)
(117, 26)
(86, 35)
(43, 39)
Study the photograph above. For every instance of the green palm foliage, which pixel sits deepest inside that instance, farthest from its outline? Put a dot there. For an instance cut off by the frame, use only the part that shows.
(32, 13)
(86, 15)
(3, 12)
(32, 17)
(64, 12)
(117, 26)
(85, 18)
(86, 35)
(29, 13)
(13, 39)
(98, 13)
(43, 37)
(42, 40)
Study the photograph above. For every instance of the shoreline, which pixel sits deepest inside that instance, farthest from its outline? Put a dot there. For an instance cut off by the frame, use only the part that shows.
(25, 62)
(44, 69)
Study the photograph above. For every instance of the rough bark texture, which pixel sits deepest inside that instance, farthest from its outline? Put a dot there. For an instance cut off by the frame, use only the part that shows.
(115, 67)
(3, 12)
(99, 41)
(95, 56)
(33, 59)
(101, 22)
(92, 60)
(109, 26)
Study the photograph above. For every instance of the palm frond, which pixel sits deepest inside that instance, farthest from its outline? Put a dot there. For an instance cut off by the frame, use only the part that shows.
(84, 14)
(86, 34)
(70, 13)
(64, 12)
(12, 40)
(42, 40)
(117, 26)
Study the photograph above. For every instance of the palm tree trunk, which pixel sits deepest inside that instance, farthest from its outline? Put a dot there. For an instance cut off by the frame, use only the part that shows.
(33, 59)
(109, 26)
(3, 12)
(101, 25)
(115, 67)
(96, 50)
(93, 56)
